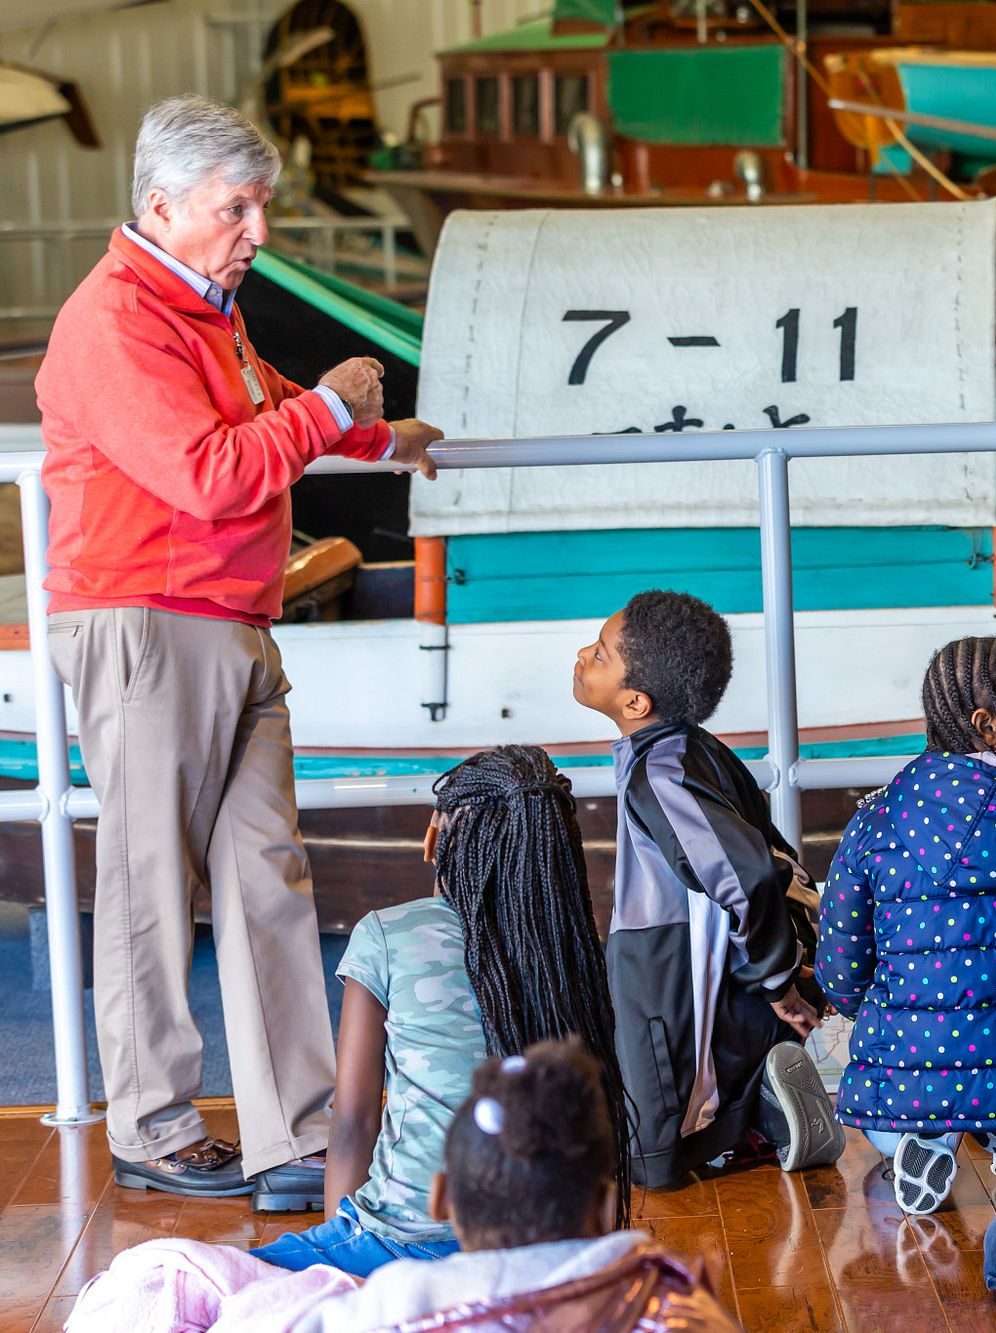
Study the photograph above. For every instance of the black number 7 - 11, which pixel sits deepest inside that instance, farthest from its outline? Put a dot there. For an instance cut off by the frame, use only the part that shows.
(789, 324)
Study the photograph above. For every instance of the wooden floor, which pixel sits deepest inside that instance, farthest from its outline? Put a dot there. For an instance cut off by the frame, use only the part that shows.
(828, 1250)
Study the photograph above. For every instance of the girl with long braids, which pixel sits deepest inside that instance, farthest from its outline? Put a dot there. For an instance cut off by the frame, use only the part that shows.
(907, 936)
(505, 955)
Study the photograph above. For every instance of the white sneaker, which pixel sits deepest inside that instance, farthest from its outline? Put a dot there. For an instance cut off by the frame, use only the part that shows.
(924, 1170)
(988, 1141)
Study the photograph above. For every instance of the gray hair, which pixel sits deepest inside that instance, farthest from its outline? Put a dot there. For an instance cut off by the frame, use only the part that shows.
(183, 141)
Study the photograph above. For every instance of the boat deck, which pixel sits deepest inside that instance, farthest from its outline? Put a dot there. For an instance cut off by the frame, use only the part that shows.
(827, 1250)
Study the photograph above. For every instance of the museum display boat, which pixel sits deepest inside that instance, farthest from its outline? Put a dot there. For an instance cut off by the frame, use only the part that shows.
(681, 103)
(364, 701)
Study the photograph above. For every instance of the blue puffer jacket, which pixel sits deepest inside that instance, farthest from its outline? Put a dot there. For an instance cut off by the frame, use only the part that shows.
(908, 949)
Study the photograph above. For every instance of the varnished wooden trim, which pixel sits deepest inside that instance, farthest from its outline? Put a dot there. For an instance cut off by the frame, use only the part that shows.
(13, 638)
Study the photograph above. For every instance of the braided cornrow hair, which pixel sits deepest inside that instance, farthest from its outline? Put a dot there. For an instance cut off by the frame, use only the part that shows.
(510, 861)
(961, 677)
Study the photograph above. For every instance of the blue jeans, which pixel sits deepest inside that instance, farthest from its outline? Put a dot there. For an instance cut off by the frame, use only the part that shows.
(989, 1256)
(345, 1244)
(886, 1141)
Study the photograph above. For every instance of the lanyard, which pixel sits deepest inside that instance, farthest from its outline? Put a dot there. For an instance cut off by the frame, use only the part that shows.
(248, 371)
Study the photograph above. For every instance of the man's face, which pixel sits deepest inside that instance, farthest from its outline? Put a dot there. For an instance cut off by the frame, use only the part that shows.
(600, 671)
(218, 228)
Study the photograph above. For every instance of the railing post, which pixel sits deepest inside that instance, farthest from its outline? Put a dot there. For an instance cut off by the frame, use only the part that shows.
(61, 908)
(390, 257)
(779, 641)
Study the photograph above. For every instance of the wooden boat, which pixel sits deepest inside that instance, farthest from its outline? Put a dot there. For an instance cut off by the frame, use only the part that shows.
(939, 101)
(29, 97)
(680, 104)
(876, 588)
(369, 858)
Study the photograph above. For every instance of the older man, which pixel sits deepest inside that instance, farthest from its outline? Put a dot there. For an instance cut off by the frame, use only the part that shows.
(171, 448)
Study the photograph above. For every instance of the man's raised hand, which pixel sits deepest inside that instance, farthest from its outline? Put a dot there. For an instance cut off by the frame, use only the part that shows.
(358, 381)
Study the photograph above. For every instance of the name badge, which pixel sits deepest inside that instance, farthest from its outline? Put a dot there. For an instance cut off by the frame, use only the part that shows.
(256, 394)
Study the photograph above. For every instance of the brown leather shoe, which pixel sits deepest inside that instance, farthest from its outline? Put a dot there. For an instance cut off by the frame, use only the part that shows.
(211, 1169)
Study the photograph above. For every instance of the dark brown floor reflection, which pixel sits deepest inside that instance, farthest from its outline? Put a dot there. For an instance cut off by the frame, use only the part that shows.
(824, 1251)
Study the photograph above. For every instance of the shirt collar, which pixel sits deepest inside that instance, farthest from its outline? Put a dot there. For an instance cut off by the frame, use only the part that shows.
(217, 296)
(653, 732)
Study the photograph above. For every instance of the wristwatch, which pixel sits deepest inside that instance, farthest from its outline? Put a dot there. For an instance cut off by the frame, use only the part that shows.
(348, 406)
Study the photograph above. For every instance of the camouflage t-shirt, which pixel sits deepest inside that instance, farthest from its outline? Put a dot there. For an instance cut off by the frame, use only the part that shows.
(410, 959)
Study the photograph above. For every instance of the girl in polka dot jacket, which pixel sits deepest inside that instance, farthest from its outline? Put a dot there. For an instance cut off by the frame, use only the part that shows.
(908, 938)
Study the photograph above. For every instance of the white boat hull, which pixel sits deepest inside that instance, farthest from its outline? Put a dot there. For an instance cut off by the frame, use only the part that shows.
(362, 684)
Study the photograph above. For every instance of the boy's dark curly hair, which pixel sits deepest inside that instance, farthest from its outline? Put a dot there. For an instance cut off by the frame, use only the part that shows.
(678, 651)
(961, 677)
(527, 1166)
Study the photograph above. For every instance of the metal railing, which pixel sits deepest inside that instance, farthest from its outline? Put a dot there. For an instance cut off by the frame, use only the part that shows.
(57, 272)
(55, 804)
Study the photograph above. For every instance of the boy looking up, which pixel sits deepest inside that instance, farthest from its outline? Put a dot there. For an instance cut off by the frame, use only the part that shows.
(703, 955)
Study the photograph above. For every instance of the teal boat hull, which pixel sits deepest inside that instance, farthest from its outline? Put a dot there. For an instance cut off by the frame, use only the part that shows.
(952, 92)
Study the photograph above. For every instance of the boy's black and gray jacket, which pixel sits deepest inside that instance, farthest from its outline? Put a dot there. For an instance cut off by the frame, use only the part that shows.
(700, 942)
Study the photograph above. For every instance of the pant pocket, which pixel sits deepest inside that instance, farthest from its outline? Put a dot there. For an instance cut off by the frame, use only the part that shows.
(662, 1062)
(64, 640)
(132, 625)
(273, 683)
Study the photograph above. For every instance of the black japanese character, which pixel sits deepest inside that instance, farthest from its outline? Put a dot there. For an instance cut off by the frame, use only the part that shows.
(679, 421)
(774, 416)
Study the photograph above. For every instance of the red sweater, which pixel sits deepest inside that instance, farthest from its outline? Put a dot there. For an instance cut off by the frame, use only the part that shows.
(169, 488)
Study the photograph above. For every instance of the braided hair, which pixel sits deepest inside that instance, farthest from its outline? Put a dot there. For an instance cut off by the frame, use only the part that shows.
(961, 677)
(530, 1151)
(510, 862)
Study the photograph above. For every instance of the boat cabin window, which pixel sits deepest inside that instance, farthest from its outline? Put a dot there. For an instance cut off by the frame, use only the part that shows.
(525, 104)
(488, 107)
(570, 95)
(456, 106)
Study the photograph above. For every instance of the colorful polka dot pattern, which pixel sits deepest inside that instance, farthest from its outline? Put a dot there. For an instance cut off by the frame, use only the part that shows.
(908, 949)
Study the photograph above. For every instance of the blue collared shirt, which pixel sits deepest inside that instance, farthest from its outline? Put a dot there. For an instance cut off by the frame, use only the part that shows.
(223, 301)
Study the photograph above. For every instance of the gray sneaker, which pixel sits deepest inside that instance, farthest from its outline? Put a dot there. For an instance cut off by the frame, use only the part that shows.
(796, 1114)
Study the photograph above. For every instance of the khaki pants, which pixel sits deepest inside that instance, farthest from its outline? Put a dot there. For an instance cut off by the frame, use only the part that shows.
(186, 740)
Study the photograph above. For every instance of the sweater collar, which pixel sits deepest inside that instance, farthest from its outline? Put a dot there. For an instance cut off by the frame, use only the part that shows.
(212, 293)
(175, 290)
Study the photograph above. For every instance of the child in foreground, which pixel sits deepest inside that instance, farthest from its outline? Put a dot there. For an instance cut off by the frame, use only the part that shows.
(505, 954)
(906, 940)
(703, 954)
(529, 1184)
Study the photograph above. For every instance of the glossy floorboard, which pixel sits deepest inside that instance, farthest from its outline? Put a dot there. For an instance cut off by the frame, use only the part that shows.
(827, 1250)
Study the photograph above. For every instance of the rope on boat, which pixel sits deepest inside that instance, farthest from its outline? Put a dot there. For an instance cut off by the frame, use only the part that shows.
(797, 50)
